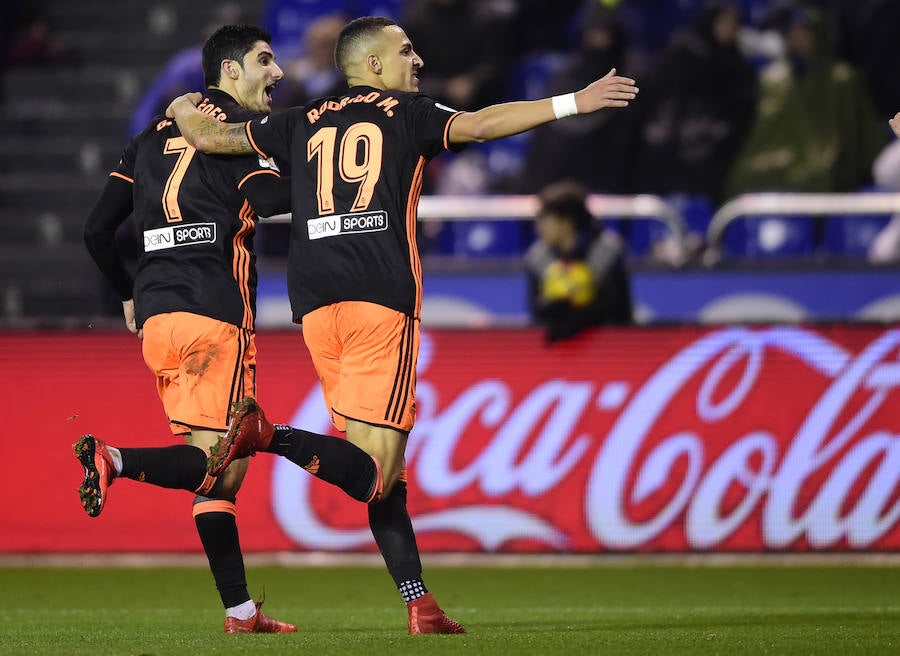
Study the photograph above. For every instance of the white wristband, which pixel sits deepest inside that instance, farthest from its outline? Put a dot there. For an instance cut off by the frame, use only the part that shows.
(564, 105)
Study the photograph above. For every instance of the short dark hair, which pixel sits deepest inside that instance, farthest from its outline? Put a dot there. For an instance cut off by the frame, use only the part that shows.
(229, 42)
(353, 33)
(567, 200)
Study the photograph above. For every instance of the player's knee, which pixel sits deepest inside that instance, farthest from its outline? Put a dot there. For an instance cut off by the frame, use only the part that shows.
(207, 486)
(389, 481)
(225, 488)
(229, 482)
(234, 474)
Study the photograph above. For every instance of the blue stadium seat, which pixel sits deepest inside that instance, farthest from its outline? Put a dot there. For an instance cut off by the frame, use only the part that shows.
(770, 236)
(617, 225)
(697, 211)
(851, 235)
(390, 8)
(288, 20)
(488, 238)
(643, 233)
(531, 73)
(503, 158)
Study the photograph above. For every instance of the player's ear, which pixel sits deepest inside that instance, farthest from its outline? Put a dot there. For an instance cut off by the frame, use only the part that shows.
(230, 68)
(374, 64)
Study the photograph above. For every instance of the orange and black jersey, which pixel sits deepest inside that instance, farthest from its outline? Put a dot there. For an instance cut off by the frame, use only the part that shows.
(194, 219)
(356, 166)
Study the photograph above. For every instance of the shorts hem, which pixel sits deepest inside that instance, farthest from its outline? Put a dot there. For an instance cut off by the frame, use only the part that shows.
(192, 427)
(370, 423)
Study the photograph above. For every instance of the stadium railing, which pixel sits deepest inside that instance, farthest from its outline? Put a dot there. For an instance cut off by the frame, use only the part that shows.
(518, 207)
(797, 205)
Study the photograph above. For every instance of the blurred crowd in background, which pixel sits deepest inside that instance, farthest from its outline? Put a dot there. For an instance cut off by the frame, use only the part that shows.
(737, 96)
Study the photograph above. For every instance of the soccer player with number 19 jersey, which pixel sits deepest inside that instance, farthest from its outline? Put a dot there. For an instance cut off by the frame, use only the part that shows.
(354, 274)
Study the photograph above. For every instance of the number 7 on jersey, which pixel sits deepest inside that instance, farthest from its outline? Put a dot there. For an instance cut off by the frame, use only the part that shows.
(176, 146)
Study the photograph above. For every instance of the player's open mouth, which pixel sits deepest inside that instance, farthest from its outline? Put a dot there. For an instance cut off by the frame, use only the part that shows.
(268, 92)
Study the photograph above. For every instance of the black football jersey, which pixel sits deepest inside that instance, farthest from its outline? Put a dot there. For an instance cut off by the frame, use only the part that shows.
(356, 165)
(195, 225)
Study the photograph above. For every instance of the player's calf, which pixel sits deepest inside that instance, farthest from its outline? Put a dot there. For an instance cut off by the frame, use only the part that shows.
(332, 459)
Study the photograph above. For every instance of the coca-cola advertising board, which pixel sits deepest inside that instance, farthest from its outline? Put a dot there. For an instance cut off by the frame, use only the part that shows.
(663, 439)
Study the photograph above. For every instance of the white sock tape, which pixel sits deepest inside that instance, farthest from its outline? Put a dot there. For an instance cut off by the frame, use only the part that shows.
(564, 105)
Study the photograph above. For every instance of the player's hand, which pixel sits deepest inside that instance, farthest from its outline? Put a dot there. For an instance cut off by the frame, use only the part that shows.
(130, 322)
(611, 90)
(895, 124)
(194, 98)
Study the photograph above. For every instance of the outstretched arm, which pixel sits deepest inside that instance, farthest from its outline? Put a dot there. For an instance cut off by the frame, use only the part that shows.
(895, 124)
(205, 133)
(507, 119)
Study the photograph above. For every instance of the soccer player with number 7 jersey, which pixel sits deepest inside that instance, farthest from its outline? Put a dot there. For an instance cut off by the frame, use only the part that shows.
(354, 273)
(193, 301)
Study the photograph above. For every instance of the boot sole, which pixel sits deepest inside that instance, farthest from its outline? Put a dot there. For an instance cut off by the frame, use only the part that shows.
(90, 494)
(220, 454)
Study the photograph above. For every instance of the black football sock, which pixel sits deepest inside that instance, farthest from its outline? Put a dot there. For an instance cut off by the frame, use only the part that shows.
(393, 531)
(218, 532)
(179, 467)
(332, 459)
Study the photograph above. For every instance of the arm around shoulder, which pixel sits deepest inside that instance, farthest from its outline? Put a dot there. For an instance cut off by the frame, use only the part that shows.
(205, 133)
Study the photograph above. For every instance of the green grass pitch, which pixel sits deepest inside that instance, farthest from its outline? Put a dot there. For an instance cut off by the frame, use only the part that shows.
(633, 608)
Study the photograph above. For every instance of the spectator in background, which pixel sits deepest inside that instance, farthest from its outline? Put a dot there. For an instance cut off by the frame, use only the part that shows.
(182, 73)
(592, 149)
(313, 74)
(288, 20)
(867, 38)
(699, 108)
(545, 26)
(885, 248)
(576, 269)
(10, 19)
(33, 42)
(816, 129)
(464, 43)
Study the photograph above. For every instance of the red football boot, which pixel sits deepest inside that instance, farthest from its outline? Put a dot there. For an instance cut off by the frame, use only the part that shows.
(425, 616)
(248, 432)
(259, 623)
(99, 473)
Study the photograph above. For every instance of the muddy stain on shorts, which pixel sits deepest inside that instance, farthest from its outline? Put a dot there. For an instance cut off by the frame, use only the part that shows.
(197, 363)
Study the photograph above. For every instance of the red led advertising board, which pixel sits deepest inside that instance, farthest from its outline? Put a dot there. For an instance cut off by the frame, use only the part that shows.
(662, 439)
